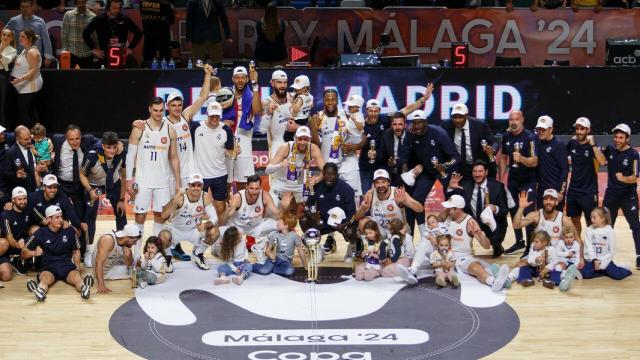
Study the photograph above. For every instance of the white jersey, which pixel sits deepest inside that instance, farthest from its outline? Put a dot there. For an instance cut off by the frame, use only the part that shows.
(185, 216)
(184, 146)
(307, 106)
(600, 244)
(383, 211)
(563, 252)
(153, 168)
(115, 256)
(281, 175)
(461, 242)
(330, 140)
(552, 227)
(275, 125)
(552, 259)
(210, 148)
(242, 136)
(248, 216)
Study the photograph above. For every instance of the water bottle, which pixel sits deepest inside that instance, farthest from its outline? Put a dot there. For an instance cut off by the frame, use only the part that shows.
(163, 64)
(154, 64)
(172, 64)
(190, 64)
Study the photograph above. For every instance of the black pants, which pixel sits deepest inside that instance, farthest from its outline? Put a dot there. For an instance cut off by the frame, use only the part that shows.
(629, 205)
(76, 194)
(515, 188)
(83, 62)
(91, 213)
(496, 237)
(156, 41)
(27, 109)
(4, 85)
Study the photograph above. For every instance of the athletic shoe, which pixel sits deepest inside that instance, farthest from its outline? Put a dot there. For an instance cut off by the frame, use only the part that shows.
(519, 246)
(498, 251)
(200, 262)
(329, 245)
(495, 271)
(637, 262)
(498, 282)
(406, 275)
(18, 266)
(87, 259)
(527, 282)
(142, 284)
(33, 287)
(179, 254)
(238, 279)
(441, 282)
(85, 291)
(569, 277)
(222, 280)
(548, 284)
(169, 268)
(455, 281)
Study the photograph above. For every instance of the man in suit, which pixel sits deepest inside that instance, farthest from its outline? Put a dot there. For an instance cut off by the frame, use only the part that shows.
(477, 142)
(203, 29)
(475, 192)
(7, 139)
(393, 151)
(20, 168)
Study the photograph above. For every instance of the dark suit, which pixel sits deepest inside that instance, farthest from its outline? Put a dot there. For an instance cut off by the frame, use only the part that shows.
(386, 151)
(497, 197)
(202, 27)
(15, 153)
(5, 191)
(478, 131)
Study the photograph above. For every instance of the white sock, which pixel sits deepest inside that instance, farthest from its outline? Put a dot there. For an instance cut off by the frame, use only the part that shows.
(513, 274)
(199, 248)
(422, 228)
(562, 274)
(490, 280)
(141, 228)
(157, 227)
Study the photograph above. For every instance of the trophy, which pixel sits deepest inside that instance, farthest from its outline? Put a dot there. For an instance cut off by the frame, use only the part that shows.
(18, 164)
(516, 149)
(198, 221)
(252, 65)
(91, 202)
(486, 196)
(484, 144)
(134, 274)
(308, 177)
(132, 200)
(312, 268)
(199, 63)
(372, 146)
(236, 147)
(435, 162)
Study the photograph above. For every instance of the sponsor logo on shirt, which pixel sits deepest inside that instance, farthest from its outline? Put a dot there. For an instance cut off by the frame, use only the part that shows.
(163, 140)
(390, 207)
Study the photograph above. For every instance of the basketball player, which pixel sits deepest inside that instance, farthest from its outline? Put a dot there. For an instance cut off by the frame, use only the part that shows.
(276, 112)
(290, 166)
(240, 117)
(60, 251)
(153, 151)
(185, 213)
(113, 255)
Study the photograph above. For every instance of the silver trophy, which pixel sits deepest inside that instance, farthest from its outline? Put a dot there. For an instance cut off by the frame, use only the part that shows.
(484, 144)
(372, 146)
(91, 202)
(435, 162)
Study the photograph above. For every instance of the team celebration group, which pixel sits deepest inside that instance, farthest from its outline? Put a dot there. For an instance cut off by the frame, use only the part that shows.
(353, 172)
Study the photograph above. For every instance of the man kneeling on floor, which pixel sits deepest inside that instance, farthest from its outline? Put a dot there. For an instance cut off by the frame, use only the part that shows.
(113, 255)
(60, 251)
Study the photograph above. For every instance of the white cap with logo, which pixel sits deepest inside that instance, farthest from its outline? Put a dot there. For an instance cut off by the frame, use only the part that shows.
(372, 103)
(129, 230)
(459, 109)
(52, 210)
(173, 96)
(279, 75)
(336, 216)
(550, 192)
(195, 178)
(622, 127)
(354, 100)
(214, 109)
(240, 70)
(300, 82)
(303, 131)
(417, 115)
(18, 191)
(49, 180)
(455, 201)
(582, 121)
(381, 173)
(544, 122)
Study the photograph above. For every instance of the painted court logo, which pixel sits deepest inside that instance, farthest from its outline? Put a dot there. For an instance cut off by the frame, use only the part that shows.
(275, 318)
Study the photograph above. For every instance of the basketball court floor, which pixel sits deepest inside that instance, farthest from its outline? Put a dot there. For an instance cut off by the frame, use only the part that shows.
(270, 317)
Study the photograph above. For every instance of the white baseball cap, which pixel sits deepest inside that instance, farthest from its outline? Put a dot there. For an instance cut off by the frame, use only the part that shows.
(129, 230)
(355, 100)
(417, 115)
(49, 180)
(300, 82)
(240, 70)
(381, 173)
(195, 178)
(303, 131)
(622, 127)
(455, 201)
(174, 95)
(18, 191)
(372, 103)
(52, 210)
(279, 75)
(214, 108)
(459, 109)
(582, 121)
(336, 216)
(544, 122)
(550, 192)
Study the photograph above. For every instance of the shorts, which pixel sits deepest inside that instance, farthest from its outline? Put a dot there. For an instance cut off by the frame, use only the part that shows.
(353, 179)
(463, 262)
(116, 272)
(277, 190)
(262, 229)
(184, 183)
(218, 186)
(240, 169)
(577, 205)
(177, 235)
(6, 257)
(60, 270)
(161, 197)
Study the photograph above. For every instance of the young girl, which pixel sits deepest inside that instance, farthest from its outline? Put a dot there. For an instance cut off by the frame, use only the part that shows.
(542, 262)
(443, 260)
(600, 248)
(301, 107)
(568, 250)
(370, 268)
(280, 248)
(397, 250)
(233, 251)
(153, 264)
(42, 145)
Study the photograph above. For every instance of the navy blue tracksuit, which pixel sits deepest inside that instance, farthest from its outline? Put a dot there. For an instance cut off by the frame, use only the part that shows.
(15, 224)
(325, 198)
(621, 195)
(582, 196)
(57, 250)
(553, 168)
(39, 204)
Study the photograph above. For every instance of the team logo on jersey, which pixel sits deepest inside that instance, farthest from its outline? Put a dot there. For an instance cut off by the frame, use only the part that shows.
(573, 151)
(48, 241)
(199, 208)
(548, 149)
(147, 135)
(337, 197)
(64, 238)
(625, 162)
(586, 153)
(433, 142)
(6, 147)
(163, 139)
(556, 229)
(258, 209)
(185, 127)
(219, 136)
(508, 143)
(15, 223)
(390, 207)
(459, 232)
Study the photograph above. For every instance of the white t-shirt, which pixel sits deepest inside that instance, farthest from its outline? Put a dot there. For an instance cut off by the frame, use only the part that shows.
(209, 152)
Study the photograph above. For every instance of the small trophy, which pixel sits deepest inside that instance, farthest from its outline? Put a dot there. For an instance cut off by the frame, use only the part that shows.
(484, 144)
(18, 164)
(91, 201)
(132, 200)
(372, 146)
(309, 176)
(236, 146)
(435, 162)
(516, 149)
(134, 275)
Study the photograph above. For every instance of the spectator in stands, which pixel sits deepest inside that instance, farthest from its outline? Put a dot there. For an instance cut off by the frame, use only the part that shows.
(58, 5)
(203, 29)
(73, 24)
(157, 18)
(26, 20)
(271, 49)
(20, 165)
(26, 77)
(7, 55)
(110, 25)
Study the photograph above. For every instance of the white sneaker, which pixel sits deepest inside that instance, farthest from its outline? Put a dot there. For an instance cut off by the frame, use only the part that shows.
(406, 275)
(88, 256)
(498, 282)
